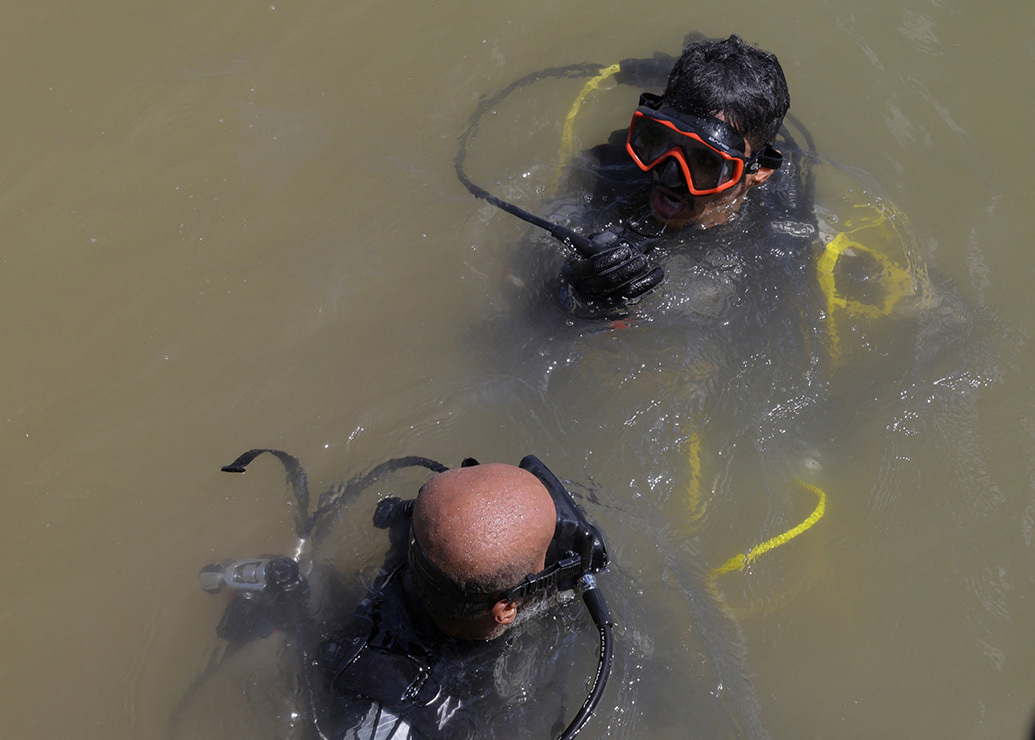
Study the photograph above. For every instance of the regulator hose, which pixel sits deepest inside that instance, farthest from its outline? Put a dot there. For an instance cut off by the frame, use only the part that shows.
(598, 611)
(583, 245)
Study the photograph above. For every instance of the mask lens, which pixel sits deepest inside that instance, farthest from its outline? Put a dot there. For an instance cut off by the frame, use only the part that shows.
(652, 141)
(707, 168)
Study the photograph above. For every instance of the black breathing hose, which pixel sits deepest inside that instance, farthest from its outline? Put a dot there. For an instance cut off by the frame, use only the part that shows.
(594, 601)
(305, 523)
(583, 245)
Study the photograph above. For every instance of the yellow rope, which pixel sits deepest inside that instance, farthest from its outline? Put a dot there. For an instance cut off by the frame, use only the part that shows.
(897, 282)
(693, 453)
(568, 134)
(742, 560)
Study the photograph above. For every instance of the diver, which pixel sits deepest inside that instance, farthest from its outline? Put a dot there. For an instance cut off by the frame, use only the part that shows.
(688, 162)
(481, 549)
(706, 179)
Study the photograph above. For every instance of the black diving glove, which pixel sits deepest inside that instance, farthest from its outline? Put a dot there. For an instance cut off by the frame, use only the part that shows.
(613, 275)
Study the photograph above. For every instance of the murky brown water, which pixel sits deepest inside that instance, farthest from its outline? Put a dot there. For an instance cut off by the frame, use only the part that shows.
(237, 225)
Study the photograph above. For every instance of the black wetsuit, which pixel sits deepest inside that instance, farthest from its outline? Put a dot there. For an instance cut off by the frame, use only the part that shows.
(735, 294)
(765, 245)
(391, 673)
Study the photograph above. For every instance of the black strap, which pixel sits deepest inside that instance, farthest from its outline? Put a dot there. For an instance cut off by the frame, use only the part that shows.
(569, 567)
(769, 158)
(296, 477)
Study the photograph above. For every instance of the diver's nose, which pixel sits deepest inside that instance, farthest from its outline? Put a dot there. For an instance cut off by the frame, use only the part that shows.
(670, 174)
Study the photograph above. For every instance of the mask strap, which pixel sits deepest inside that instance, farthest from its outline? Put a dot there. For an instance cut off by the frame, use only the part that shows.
(650, 100)
(570, 566)
(769, 158)
(441, 584)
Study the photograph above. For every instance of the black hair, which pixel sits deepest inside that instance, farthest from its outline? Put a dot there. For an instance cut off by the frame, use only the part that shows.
(744, 83)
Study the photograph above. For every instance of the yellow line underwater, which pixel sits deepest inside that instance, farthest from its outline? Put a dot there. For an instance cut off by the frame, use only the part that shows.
(568, 134)
(742, 560)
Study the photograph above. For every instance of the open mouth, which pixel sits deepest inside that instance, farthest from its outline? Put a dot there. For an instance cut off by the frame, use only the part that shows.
(669, 205)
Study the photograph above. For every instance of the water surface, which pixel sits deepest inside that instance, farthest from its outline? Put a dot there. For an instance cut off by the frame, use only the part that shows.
(237, 225)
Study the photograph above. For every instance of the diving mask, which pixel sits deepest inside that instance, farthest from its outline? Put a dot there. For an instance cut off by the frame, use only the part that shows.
(710, 152)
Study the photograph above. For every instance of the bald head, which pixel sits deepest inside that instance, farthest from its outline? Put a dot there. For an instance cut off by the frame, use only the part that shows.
(486, 525)
(485, 528)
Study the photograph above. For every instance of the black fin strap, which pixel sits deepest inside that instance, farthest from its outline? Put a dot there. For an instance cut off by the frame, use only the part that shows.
(296, 476)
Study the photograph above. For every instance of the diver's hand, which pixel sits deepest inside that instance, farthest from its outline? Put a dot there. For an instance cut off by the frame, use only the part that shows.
(613, 275)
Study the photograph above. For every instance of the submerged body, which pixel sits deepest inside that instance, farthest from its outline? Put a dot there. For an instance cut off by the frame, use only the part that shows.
(392, 673)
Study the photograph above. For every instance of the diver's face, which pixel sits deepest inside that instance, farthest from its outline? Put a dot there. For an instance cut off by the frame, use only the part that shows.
(672, 203)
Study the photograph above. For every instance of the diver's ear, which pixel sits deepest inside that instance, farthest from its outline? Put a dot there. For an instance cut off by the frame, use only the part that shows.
(757, 178)
(504, 612)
